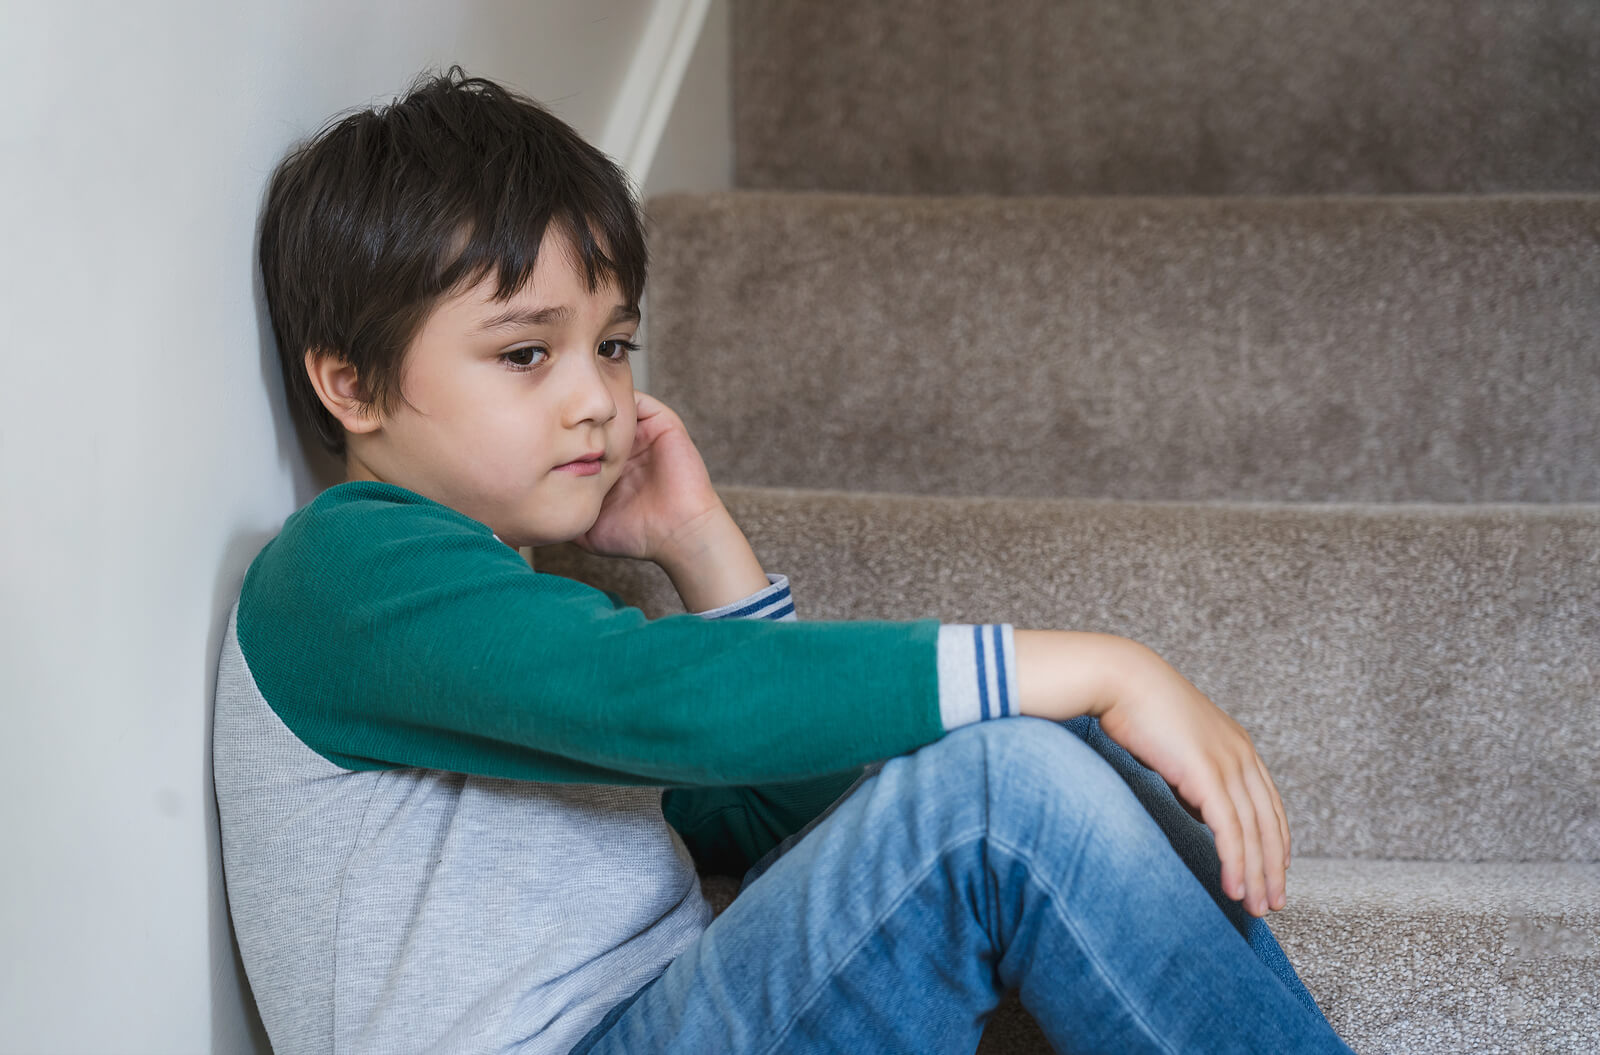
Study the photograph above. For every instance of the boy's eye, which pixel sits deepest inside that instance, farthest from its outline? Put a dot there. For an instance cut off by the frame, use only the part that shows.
(617, 350)
(524, 357)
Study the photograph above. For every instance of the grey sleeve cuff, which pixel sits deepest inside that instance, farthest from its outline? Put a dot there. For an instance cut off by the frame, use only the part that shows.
(977, 673)
(772, 603)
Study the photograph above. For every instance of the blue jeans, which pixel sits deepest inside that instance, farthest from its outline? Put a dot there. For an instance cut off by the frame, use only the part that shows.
(1013, 854)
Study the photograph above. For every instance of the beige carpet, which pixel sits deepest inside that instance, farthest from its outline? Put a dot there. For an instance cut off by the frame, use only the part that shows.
(1119, 97)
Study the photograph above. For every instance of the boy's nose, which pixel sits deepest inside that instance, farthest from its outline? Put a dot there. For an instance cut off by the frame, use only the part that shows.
(588, 397)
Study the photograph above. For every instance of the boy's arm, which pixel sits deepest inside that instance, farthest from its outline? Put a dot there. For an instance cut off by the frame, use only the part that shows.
(729, 829)
(386, 630)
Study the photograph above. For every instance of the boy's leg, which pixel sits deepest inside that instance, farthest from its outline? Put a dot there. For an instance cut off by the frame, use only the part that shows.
(1007, 854)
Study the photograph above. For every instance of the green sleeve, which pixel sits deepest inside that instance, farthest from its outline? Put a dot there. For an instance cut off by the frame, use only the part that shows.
(386, 630)
(729, 829)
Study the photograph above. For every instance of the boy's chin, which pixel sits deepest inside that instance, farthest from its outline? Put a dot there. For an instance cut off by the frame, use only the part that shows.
(551, 536)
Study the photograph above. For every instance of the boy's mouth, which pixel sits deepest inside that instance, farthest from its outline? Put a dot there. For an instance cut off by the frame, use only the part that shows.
(588, 465)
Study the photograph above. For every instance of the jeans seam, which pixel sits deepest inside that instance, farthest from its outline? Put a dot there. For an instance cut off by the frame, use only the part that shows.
(1083, 946)
(868, 932)
(988, 871)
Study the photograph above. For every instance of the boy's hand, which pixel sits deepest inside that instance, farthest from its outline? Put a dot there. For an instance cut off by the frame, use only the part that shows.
(663, 491)
(663, 508)
(1212, 765)
(1164, 721)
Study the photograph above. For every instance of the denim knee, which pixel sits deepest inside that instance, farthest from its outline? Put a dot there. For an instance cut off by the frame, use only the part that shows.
(1032, 776)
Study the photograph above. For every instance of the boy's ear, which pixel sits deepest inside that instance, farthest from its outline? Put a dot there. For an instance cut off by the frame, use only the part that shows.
(340, 391)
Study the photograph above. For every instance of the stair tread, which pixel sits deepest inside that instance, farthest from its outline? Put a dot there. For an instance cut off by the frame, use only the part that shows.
(1408, 956)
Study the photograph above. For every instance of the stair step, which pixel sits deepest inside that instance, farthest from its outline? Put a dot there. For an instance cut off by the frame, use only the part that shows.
(1340, 350)
(1411, 956)
(1421, 679)
(1107, 97)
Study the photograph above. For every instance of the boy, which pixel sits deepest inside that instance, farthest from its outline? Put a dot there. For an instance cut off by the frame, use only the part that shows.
(441, 774)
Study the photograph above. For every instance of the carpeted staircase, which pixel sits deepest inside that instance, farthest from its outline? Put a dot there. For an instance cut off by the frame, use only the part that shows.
(1265, 333)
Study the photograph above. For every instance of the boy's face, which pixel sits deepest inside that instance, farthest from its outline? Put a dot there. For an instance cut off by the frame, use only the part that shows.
(518, 413)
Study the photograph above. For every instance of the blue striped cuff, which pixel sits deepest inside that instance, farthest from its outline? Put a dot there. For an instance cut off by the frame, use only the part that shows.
(977, 673)
(772, 603)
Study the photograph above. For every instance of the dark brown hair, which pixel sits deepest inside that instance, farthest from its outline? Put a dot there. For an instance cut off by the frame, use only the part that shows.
(386, 211)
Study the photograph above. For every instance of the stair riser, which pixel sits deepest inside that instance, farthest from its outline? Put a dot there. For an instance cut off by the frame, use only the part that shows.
(1108, 97)
(1422, 681)
(1353, 349)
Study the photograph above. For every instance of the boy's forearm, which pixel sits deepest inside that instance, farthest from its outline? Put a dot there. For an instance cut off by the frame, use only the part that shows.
(1062, 674)
(711, 563)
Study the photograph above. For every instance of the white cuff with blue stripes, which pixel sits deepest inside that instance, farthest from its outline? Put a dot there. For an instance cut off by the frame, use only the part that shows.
(772, 603)
(977, 673)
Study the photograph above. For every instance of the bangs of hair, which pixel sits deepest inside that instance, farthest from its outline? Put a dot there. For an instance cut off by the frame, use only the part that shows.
(500, 175)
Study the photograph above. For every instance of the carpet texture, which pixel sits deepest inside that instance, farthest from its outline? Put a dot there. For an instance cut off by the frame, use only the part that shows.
(1418, 956)
(1113, 97)
(1338, 350)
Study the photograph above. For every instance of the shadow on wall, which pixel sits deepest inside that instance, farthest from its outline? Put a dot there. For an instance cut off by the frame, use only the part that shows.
(235, 1022)
(311, 468)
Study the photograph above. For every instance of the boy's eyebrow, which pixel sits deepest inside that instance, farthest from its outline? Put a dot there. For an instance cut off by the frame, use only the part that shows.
(516, 317)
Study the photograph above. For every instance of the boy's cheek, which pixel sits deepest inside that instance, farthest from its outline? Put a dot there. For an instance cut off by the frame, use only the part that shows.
(627, 426)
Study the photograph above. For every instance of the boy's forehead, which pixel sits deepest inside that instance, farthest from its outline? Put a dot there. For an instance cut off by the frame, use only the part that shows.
(557, 291)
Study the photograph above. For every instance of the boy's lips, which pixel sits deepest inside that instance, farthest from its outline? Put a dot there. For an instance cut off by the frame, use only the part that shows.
(588, 465)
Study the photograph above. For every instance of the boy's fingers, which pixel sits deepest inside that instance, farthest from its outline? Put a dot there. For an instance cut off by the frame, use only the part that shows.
(1221, 816)
(1272, 866)
(1277, 805)
(1255, 878)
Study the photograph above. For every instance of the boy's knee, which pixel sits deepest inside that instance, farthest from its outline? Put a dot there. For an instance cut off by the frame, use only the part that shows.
(1032, 772)
(1045, 785)
(1025, 754)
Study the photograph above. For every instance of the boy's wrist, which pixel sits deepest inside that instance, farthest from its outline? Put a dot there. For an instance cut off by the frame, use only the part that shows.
(711, 563)
(1062, 674)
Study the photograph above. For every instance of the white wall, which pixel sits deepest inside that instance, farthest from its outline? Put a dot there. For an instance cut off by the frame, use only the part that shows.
(145, 454)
